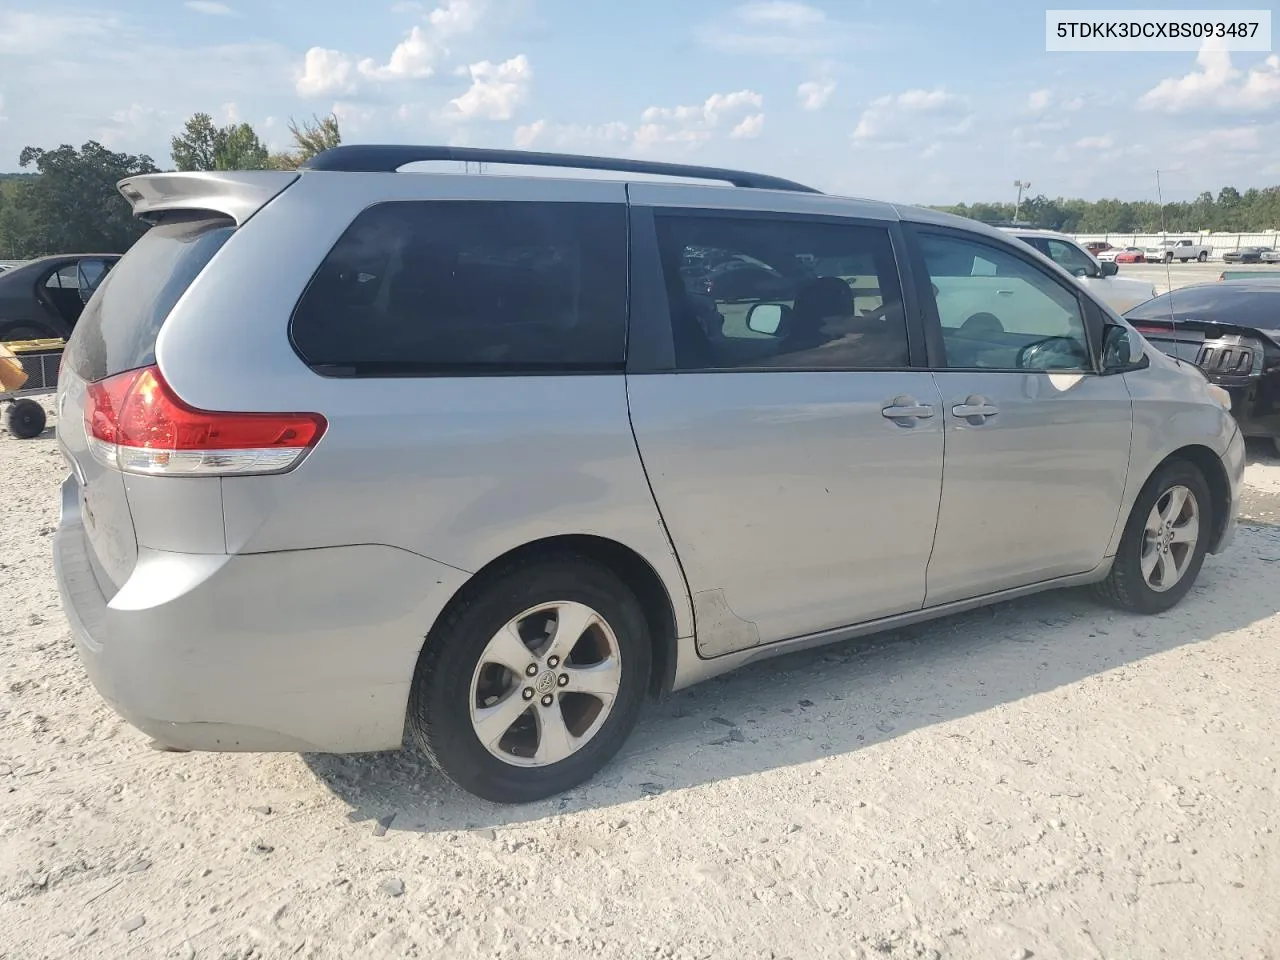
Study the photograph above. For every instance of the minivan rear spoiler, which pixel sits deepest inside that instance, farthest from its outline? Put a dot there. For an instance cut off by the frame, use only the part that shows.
(237, 194)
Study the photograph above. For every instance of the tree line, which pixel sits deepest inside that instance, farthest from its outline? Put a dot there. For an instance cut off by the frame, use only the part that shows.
(70, 203)
(1254, 211)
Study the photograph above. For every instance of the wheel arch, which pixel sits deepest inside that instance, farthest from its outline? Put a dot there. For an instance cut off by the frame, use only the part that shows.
(1214, 472)
(628, 565)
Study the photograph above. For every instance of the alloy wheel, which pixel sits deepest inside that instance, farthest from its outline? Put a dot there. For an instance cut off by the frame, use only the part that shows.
(545, 684)
(1169, 538)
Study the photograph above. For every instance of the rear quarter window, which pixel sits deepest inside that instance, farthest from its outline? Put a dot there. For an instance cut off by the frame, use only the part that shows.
(118, 329)
(458, 286)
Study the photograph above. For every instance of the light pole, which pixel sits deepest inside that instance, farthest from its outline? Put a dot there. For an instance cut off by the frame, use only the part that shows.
(1021, 185)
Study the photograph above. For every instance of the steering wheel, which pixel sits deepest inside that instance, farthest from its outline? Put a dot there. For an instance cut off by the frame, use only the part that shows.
(1051, 353)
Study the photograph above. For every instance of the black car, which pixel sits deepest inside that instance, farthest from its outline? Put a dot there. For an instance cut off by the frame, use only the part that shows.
(1245, 255)
(43, 298)
(1231, 331)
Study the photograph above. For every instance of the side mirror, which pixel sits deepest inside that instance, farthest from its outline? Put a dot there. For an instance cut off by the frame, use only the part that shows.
(1122, 349)
(1109, 269)
(765, 317)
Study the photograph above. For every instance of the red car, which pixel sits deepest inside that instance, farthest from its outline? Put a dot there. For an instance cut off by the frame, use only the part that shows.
(1130, 255)
(1097, 246)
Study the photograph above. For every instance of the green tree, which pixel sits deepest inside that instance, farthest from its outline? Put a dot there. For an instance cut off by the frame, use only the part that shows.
(309, 138)
(204, 146)
(73, 206)
(196, 148)
(240, 149)
(1256, 210)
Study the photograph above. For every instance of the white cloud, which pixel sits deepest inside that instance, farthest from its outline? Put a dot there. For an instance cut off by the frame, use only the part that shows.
(1105, 142)
(131, 127)
(230, 113)
(814, 94)
(779, 28)
(325, 72)
(210, 7)
(496, 89)
(413, 59)
(927, 100)
(455, 17)
(697, 123)
(749, 128)
(784, 13)
(888, 120)
(416, 57)
(1216, 84)
(1074, 104)
(690, 125)
(541, 133)
(1228, 139)
(1038, 101)
(352, 116)
(40, 34)
(529, 134)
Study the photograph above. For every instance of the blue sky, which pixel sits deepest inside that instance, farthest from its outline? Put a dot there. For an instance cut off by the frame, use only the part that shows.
(926, 101)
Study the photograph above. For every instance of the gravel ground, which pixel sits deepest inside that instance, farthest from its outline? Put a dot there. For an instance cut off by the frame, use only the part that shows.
(1044, 779)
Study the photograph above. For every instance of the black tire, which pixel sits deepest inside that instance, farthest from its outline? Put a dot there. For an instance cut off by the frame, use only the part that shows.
(25, 419)
(1275, 443)
(1204, 255)
(1125, 587)
(439, 709)
(1168, 258)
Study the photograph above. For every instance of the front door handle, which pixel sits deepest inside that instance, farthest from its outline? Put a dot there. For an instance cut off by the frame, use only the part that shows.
(975, 409)
(906, 410)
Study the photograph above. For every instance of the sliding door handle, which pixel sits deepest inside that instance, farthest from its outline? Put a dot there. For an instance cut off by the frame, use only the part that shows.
(975, 409)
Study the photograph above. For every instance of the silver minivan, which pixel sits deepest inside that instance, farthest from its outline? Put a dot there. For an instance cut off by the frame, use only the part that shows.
(487, 459)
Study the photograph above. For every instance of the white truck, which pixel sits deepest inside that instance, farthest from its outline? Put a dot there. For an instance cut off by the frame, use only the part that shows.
(1180, 250)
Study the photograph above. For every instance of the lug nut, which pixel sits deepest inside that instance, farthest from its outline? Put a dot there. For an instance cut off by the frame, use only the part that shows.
(528, 693)
(531, 670)
(548, 700)
(564, 680)
(553, 662)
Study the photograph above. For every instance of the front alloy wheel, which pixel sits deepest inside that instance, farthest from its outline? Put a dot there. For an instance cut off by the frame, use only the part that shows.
(1170, 538)
(1164, 541)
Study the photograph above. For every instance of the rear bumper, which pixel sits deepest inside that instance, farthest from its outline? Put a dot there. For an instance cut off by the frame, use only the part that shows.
(309, 650)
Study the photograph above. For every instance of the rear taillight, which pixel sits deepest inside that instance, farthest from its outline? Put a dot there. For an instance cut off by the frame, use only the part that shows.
(136, 423)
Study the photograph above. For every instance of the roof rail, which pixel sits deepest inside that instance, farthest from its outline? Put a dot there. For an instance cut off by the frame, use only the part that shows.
(378, 158)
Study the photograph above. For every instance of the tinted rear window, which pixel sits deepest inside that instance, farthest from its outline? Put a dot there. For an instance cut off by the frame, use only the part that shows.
(1253, 306)
(120, 323)
(454, 286)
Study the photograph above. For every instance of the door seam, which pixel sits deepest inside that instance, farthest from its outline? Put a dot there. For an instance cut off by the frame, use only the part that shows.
(942, 487)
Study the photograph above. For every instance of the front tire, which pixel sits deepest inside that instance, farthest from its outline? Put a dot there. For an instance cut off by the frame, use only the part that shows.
(1164, 541)
(1204, 255)
(532, 683)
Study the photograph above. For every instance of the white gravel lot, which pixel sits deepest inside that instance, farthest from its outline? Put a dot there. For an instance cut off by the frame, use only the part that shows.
(1043, 779)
